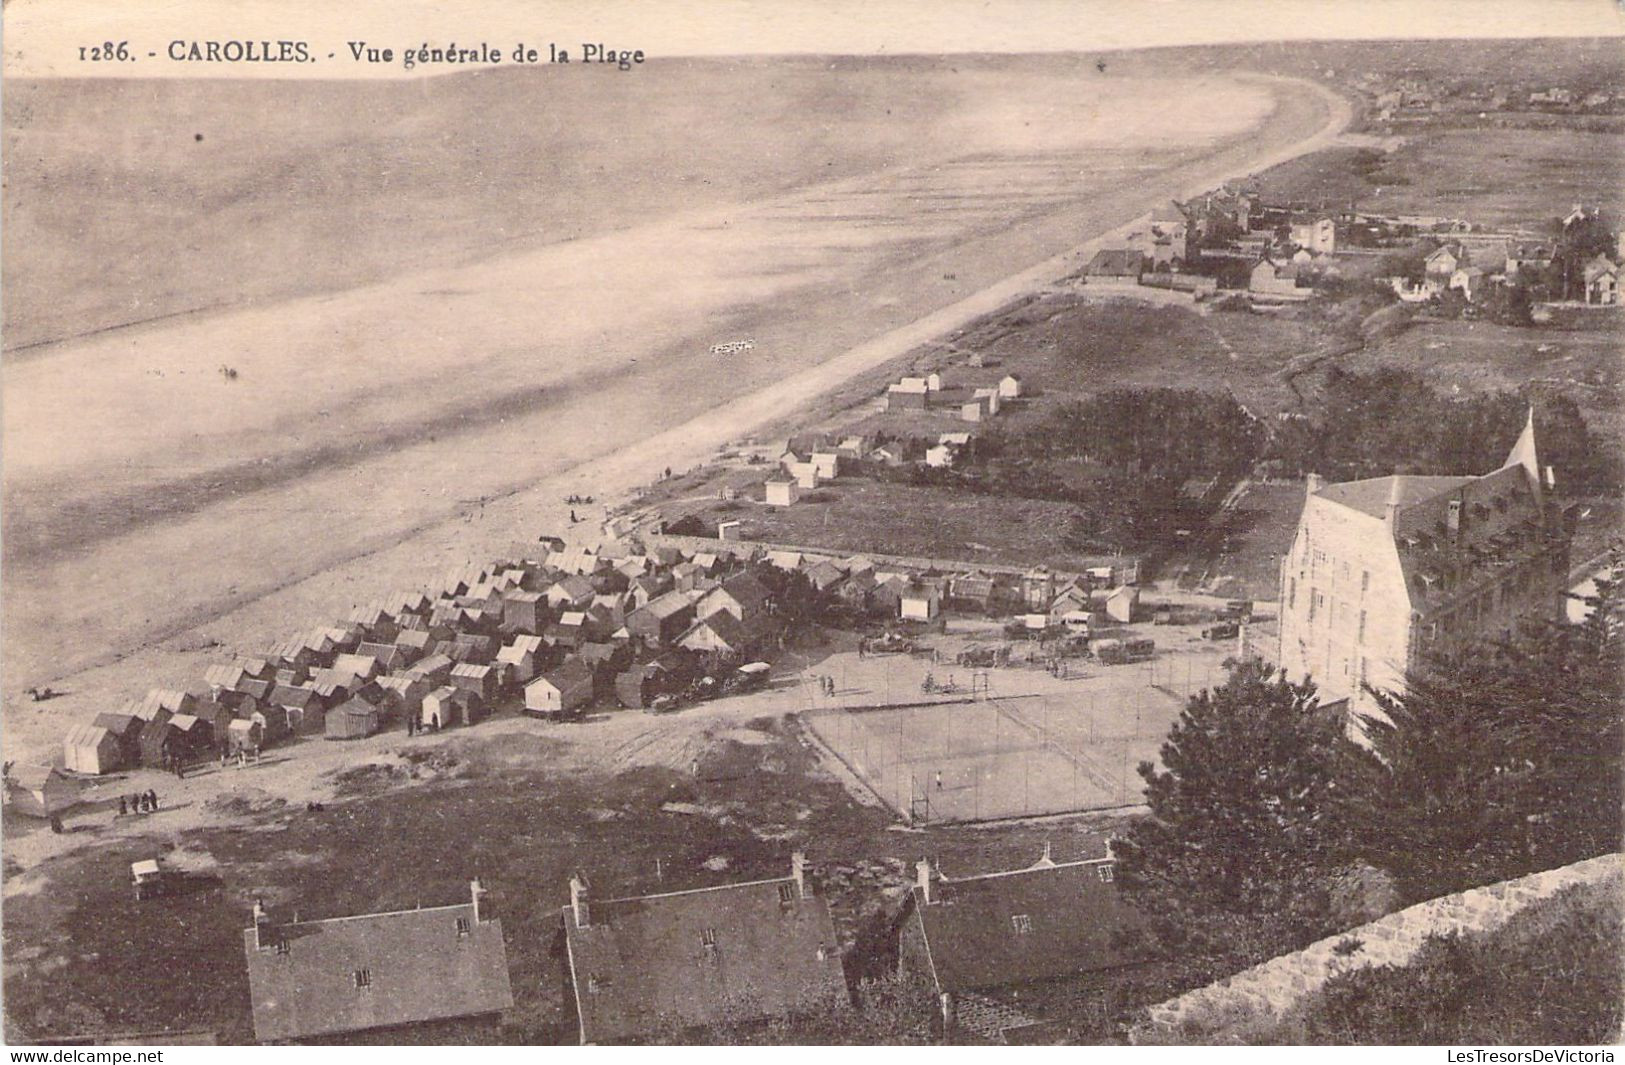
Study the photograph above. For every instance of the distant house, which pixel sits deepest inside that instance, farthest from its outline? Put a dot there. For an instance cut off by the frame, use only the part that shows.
(1469, 281)
(1167, 237)
(920, 601)
(911, 393)
(91, 749)
(781, 491)
(993, 397)
(39, 790)
(662, 620)
(1441, 262)
(1528, 258)
(1121, 603)
(1318, 236)
(521, 657)
(639, 967)
(827, 464)
(975, 410)
(571, 592)
(825, 575)
(1115, 266)
(1037, 588)
(1601, 282)
(941, 456)
(524, 611)
(563, 692)
(1275, 281)
(719, 633)
(741, 595)
(976, 939)
(635, 688)
(316, 980)
(974, 589)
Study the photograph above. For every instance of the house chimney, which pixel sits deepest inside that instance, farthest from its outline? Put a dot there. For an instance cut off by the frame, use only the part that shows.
(1453, 518)
(1311, 484)
(262, 926)
(1391, 510)
(1551, 478)
(578, 900)
(477, 894)
(798, 873)
(922, 879)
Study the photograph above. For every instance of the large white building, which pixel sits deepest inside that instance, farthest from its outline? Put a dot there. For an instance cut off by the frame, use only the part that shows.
(1385, 568)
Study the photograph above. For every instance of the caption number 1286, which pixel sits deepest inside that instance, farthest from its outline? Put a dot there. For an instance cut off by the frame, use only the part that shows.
(106, 52)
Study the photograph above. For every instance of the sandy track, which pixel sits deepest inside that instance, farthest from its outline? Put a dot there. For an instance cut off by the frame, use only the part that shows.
(146, 606)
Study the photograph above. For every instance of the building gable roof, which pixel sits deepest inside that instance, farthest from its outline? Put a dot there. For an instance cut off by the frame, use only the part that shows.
(1072, 914)
(691, 958)
(420, 965)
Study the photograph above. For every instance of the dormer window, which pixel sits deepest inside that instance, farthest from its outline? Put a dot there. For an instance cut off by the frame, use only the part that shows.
(1106, 872)
(787, 893)
(464, 927)
(362, 978)
(1022, 923)
(282, 947)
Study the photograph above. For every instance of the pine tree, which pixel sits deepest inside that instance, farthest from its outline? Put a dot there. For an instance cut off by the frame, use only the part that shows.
(1236, 860)
(1499, 759)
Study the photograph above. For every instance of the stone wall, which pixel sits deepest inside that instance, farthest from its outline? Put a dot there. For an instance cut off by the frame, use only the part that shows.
(1268, 991)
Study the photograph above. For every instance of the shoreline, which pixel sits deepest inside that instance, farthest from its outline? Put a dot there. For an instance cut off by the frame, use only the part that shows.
(612, 477)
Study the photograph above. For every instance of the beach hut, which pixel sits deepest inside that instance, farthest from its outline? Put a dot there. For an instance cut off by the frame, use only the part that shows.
(90, 749)
(39, 790)
(245, 735)
(127, 729)
(160, 743)
(194, 737)
(356, 719)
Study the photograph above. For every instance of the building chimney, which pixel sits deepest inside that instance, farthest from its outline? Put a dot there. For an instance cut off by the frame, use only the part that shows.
(798, 873)
(1551, 478)
(1311, 484)
(262, 926)
(477, 894)
(922, 879)
(1453, 518)
(1391, 510)
(578, 900)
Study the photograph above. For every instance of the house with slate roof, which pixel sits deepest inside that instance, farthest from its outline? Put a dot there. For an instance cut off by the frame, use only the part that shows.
(649, 965)
(988, 941)
(1383, 569)
(320, 981)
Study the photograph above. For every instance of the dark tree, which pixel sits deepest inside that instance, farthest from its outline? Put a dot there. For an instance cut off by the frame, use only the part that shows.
(1237, 859)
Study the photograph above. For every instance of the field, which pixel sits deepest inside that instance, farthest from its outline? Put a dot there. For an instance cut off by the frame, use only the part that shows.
(511, 800)
(1518, 178)
(855, 516)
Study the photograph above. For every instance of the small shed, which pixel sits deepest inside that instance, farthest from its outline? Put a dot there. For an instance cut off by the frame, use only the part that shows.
(91, 749)
(39, 790)
(159, 744)
(920, 601)
(481, 680)
(245, 735)
(1120, 604)
(782, 493)
(356, 719)
(448, 706)
(194, 737)
(563, 692)
(127, 729)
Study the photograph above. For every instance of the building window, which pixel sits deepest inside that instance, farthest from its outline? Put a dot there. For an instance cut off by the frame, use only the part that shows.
(1105, 872)
(1365, 581)
(1022, 923)
(362, 978)
(463, 927)
(282, 946)
(708, 937)
(1292, 593)
(1362, 626)
(787, 892)
(595, 985)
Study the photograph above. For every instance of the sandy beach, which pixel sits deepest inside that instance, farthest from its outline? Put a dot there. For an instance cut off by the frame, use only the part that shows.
(158, 517)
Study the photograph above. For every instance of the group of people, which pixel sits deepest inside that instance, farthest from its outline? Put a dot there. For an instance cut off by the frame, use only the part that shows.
(414, 726)
(142, 802)
(826, 684)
